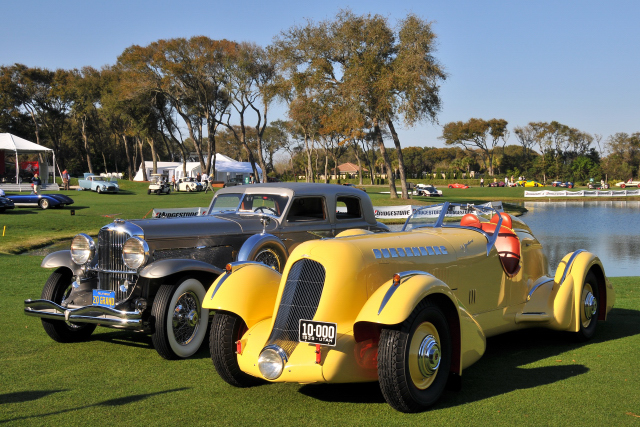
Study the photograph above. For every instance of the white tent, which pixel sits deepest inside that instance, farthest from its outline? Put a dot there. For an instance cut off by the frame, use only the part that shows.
(9, 142)
(226, 168)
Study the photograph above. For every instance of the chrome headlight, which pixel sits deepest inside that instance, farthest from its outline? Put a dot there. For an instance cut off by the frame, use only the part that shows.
(271, 362)
(82, 249)
(135, 253)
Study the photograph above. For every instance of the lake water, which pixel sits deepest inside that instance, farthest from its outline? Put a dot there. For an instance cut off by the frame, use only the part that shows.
(609, 229)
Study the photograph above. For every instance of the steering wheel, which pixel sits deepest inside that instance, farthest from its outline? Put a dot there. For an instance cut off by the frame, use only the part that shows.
(264, 209)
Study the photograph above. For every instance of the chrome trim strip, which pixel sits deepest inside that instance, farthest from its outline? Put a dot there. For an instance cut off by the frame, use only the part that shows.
(535, 288)
(403, 275)
(104, 270)
(50, 310)
(570, 264)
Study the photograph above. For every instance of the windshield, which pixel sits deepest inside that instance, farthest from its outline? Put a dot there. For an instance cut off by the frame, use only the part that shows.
(270, 204)
(456, 215)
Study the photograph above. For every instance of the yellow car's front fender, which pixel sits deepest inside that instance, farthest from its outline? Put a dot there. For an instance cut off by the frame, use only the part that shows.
(392, 304)
(249, 291)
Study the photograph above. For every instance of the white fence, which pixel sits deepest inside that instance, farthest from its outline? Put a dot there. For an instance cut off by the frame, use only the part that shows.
(582, 193)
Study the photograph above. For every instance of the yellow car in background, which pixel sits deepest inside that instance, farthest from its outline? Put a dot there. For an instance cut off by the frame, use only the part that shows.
(410, 309)
(529, 183)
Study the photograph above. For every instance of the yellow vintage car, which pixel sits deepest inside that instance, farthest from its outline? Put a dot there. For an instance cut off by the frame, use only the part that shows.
(410, 309)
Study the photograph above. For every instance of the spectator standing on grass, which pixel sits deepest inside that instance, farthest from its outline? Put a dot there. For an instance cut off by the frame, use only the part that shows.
(65, 180)
(506, 181)
(199, 177)
(482, 182)
(36, 183)
(173, 182)
(205, 181)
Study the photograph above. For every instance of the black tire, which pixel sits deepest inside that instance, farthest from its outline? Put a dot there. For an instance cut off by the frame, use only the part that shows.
(180, 320)
(148, 192)
(226, 329)
(403, 382)
(56, 289)
(44, 204)
(589, 308)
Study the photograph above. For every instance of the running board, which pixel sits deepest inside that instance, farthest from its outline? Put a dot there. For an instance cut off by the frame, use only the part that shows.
(532, 317)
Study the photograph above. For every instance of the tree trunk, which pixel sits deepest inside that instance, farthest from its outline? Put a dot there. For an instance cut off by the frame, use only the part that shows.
(310, 177)
(85, 139)
(154, 155)
(104, 159)
(326, 166)
(393, 193)
(396, 141)
(144, 169)
(128, 155)
(355, 148)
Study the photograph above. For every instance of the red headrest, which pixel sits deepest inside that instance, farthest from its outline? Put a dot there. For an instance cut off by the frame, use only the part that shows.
(470, 220)
(506, 220)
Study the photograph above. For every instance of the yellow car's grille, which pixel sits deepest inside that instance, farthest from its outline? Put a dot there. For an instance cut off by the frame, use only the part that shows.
(300, 300)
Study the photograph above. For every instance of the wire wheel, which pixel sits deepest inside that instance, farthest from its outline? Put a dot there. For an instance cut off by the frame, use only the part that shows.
(269, 257)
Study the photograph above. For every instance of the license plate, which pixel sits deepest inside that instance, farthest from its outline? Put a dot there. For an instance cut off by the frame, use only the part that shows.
(323, 333)
(104, 298)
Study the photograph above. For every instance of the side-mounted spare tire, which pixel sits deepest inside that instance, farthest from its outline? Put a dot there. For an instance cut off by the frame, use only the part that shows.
(265, 248)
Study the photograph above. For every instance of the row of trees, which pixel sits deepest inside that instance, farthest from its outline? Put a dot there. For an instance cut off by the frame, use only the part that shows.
(344, 81)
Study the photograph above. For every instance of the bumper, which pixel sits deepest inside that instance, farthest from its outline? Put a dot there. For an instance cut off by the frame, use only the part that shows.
(89, 314)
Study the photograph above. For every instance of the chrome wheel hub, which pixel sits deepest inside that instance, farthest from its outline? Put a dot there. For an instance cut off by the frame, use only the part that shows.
(186, 318)
(428, 356)
(590, 305)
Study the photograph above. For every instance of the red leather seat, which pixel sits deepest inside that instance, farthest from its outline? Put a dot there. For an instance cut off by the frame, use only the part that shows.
(470, 220)
(507, 243)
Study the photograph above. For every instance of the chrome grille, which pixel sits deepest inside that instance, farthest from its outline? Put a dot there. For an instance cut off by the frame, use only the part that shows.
(300, 300)
(111, 268)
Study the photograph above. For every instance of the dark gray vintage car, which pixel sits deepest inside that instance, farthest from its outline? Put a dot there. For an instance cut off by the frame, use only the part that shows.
(151, 275)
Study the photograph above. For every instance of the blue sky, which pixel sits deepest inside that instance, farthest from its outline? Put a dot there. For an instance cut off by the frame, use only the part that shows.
(576, 62)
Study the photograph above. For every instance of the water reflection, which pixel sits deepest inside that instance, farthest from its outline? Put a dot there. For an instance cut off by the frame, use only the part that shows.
(609, 229)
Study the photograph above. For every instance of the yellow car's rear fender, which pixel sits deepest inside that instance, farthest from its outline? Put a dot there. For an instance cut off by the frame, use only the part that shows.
(249, 291)
(569, 278)
(392, 304)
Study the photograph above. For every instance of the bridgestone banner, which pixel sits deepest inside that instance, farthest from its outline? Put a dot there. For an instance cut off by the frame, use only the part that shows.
(582, 193)
(179, 212)
(396, 212)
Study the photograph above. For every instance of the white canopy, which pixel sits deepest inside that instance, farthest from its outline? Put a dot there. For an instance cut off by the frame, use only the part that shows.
(226, 167)
(19, 145)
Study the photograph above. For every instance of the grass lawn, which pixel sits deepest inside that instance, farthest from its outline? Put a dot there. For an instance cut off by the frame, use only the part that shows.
(533, 377)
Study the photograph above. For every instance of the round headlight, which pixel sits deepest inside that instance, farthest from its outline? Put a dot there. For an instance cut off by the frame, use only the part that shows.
(82, 249)
(135, 253)
(271, 362)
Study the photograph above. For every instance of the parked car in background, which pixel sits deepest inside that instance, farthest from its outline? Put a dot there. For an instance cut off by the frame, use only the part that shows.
(234, 181)
(497, 184)
(151, 275)
(99, 184)
(410, 309)
(458, 186)
(426, 190)
(43, 201)
(189, 184)
(629, 183)
(529, 183)
(159, 184)
(5, 204)
(562, 184)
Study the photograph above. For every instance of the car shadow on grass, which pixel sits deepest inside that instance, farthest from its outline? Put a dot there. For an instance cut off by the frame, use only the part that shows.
(120, 401)
(503, 359)
(139, 340)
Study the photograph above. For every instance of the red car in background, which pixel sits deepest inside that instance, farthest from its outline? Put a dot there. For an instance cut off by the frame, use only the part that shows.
(458, 186)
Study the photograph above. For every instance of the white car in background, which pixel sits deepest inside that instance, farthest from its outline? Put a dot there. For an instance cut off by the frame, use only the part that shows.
(189, 183)
(426, 190)
(629, 183)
